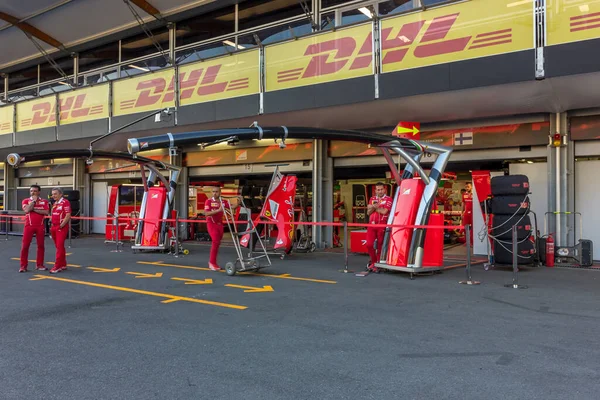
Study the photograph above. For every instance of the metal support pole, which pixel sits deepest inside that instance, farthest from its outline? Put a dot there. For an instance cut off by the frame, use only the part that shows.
(515, 253)
(176, 235)
(117, 234)
(6, 227)
(469, 280)
(345, 270)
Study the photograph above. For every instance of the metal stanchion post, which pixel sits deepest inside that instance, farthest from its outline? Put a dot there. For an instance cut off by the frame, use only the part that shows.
(6, 227)
(176, 235)
(469, 280)
(515, 253)
(116, 234)
(70, 232)
(345, 270)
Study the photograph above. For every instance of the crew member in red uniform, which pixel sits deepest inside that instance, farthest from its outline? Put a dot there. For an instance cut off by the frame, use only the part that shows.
(35, 210)
(467, 200)
(213, 210)
(378, 211)
(61, 215)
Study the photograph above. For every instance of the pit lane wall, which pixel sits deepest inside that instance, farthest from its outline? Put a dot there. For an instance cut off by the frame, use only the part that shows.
(453, 47)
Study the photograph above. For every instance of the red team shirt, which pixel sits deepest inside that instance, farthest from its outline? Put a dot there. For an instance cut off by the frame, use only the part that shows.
(467, 199)
(33, 218)
(212, 205)
(60, 209)
(383, 202)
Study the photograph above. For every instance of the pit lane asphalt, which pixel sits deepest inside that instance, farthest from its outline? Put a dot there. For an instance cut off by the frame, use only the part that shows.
(378, 337)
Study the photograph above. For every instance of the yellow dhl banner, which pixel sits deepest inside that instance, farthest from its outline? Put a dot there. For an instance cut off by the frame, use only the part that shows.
(7, 120)
(144, 93)
(221, 78)
(83, 105)
(346, 53)
(36, 114)
(572, 20)
(456, 32)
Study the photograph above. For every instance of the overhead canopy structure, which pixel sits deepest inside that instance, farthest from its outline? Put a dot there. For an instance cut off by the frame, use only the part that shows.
(16, 159)
(410, 150)
(52, 23)
(255, 132)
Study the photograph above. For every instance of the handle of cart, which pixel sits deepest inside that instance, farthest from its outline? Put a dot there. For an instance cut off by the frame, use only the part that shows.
(252, 262)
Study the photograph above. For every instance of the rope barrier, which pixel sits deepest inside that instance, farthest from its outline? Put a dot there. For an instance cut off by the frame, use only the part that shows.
(123, 221)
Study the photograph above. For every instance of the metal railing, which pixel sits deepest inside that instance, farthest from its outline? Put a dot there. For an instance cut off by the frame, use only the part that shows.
(77, 82)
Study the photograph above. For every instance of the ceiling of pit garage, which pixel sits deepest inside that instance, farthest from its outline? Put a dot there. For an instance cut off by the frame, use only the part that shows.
(70, 24)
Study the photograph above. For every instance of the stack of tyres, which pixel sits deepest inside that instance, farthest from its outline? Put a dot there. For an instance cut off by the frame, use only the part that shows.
(510, 207)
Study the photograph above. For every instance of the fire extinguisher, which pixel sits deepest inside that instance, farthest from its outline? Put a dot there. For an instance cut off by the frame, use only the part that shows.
(550, 251)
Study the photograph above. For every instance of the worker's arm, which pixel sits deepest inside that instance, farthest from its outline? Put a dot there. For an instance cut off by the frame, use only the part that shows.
(43, 211)
(65, 221)
(28, 207)
(371, 208)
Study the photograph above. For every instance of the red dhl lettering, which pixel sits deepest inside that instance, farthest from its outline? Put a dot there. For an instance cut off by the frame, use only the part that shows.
(43, 113)
(200, 82)
(334, 55)
(69, 107)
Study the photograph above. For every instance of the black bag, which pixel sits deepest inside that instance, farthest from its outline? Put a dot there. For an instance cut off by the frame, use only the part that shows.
(510, 185)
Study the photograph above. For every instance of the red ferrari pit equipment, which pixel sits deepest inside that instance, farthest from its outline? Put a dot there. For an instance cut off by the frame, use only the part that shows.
(278, 208)
(153, 231)
(407, 248)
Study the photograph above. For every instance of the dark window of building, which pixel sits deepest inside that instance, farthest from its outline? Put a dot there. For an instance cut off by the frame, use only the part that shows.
(276, 34)
(49, 73)
(255, 13)
(23, 95)
(331, 3)
(99, 57)
(147, 65)
(433, 2)
(139, 195)
(126, 195)
(395, 6)
(327, 21)
(360, 14)
(205, 51)
(207, 26)
(23, 78)
(141, 45)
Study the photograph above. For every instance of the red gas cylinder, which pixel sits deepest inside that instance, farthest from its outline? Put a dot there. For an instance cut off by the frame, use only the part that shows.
(550, 251)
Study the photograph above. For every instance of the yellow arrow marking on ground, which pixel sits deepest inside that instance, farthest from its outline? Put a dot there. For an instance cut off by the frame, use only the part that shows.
(48, 262)
(96, 269)
(142, 275)
(194, 281)
(170, 298)
(250, 289)
(281, 276)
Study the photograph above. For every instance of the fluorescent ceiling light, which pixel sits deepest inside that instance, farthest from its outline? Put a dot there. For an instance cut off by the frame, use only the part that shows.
(140, 68)
(529, 162)
(230, 43)
(65, 83)
(366, 11)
